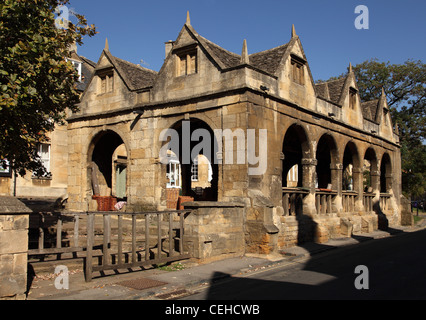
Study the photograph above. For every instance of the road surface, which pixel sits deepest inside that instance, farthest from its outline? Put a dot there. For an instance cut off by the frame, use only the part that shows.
(391, 268)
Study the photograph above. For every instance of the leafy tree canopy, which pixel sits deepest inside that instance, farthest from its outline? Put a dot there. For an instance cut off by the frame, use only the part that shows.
(37, 83)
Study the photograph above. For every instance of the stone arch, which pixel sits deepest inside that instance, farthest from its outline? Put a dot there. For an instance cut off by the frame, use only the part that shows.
(385, 174)
(295, 148)
(327, 159)
(370, 170)
(188, 145)
(351, 166)
(107, 164)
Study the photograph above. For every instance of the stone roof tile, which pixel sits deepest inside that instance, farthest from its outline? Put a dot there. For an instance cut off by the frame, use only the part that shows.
(268, 60)
(138, 76)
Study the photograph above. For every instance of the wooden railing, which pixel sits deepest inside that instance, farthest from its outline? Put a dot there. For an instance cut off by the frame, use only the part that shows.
(367, 201)
(348, 200)
(55, 233)
(292, 200)
(135, 240)
(324, 200)
(113, 239)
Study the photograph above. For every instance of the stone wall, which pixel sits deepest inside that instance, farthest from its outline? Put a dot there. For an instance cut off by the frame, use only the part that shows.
(14, 218)
(214, 230)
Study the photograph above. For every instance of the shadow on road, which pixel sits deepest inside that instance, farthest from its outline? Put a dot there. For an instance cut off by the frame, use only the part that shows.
(396, 270)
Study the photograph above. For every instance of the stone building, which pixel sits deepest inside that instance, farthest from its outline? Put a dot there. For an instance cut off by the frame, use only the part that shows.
(54, 153)
(260, 116)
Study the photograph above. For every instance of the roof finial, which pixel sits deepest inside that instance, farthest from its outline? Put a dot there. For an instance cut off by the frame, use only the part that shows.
(244, 53)
(188, 20)
(350, 67)
(383, 92)
(106, 45)
(293, 31)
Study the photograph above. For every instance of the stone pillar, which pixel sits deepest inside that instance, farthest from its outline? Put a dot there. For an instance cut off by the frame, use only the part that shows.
(358, 188)
(336, 184)
(309, 170)
(14, 221)
(375, 184)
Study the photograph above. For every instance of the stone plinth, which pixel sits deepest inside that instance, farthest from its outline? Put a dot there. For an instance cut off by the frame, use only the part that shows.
(214, 230)
(14, 217)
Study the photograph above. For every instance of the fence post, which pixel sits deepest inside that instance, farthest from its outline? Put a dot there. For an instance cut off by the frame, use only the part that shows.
(89, 253)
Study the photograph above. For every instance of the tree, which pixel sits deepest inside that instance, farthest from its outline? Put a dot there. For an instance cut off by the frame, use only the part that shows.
(405, 89)
(37, 83)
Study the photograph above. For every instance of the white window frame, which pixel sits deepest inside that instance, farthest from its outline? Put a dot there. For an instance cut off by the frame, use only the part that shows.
(45, 158)
(173, 176)
(194, 170)
(77, 65)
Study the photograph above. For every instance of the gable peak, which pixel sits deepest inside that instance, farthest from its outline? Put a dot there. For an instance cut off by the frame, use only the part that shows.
(188, 19)
(293, 31)
(244, 53)
(106, 48)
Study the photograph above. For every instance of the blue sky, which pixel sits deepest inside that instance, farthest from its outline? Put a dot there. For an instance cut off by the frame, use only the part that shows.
(137, 30)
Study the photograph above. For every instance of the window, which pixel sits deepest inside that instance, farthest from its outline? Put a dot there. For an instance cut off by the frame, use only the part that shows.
(107, 83)
(173, 174)
(194, 170)
(187, 63)
(77, 66)
(352, 98)
(298, 70)
(44, 153)
(4, 168)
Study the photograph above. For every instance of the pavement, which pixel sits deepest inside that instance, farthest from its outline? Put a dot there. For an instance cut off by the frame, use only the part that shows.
(178, 280)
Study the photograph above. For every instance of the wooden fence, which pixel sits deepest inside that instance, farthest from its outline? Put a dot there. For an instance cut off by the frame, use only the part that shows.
(110, 240)
(139, 240)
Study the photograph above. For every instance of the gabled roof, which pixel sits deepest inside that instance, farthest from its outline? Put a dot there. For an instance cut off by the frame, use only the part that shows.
(269, 60)
(336, 90)
(227, 58)
(369, 109)
(331, 90)
(134, 76)
(138, 77)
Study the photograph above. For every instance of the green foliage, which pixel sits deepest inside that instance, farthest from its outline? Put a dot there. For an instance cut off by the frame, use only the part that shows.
(37, 84)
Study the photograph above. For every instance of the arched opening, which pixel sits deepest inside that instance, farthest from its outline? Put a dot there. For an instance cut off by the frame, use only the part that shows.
(295, 145)
(351, 177)
(385, 174)
(369, 170)
(108, 162)
(326, 156)
(295, 148)
(192, 160)
(350, 167)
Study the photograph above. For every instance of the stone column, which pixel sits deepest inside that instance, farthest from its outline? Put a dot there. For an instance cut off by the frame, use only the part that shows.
(336, 184)
(308, 178)
(358, 188)
(375, 183)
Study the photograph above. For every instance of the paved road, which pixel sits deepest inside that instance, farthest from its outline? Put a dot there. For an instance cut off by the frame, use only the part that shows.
(396, 270)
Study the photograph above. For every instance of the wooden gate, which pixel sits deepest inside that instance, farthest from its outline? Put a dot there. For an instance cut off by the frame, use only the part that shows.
(132, 240)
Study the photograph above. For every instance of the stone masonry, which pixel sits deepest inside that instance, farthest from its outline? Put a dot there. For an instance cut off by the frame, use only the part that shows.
(346, 151)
